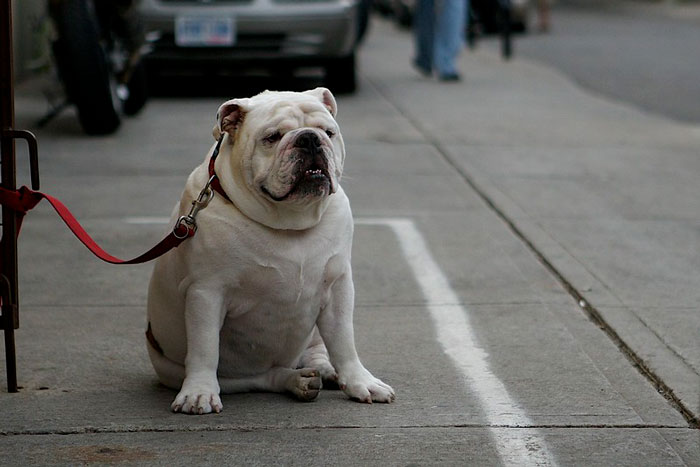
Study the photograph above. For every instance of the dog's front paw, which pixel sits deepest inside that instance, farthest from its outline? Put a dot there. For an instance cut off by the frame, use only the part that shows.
(363, 387)
(197, 399)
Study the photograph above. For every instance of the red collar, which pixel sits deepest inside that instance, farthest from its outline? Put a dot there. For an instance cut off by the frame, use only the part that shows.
(215, 184)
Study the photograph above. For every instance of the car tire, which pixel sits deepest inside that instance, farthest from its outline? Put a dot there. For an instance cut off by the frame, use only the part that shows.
(341, 75)
(83, 66)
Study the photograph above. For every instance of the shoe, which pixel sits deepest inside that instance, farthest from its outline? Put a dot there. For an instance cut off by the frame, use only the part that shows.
(423, 70)
(450, 77)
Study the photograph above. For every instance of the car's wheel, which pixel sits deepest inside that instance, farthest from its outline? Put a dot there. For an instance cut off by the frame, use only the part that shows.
(83, 65)
(341, 76)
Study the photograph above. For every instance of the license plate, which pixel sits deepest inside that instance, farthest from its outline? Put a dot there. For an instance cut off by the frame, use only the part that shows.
(197, 31)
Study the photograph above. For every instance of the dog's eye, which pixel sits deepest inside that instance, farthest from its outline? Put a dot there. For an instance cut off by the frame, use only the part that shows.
(330, 133)
(273, 137)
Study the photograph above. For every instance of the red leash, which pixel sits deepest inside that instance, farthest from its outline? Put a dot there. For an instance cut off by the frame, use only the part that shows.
(25, 199)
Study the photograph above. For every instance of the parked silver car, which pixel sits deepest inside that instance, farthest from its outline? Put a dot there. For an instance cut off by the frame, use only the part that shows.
(279, 35)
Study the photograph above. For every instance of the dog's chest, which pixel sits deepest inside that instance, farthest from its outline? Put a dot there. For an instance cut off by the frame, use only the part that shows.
(287, 283)
(286, 271)
(271, 314)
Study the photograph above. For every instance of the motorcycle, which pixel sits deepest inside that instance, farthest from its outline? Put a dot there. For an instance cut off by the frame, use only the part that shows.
(97, 52)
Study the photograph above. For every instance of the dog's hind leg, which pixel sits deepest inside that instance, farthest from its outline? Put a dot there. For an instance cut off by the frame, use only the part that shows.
(304, 383)
(316, 356)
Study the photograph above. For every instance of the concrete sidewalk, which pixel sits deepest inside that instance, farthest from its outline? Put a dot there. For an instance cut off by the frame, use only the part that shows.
(606, 194)
(556, 233)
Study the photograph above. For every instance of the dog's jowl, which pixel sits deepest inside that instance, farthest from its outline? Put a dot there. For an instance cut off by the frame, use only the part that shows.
(261, 298)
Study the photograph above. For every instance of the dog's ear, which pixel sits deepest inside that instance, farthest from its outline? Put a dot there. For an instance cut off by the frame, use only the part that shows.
(229, 117)
(327, 99)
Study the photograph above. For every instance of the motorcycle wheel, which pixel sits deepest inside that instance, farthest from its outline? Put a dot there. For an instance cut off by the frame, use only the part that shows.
(138, 91)
(83, 66)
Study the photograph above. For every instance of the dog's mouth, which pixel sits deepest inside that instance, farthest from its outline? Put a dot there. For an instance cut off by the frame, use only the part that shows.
(307, 173)
(309, 180)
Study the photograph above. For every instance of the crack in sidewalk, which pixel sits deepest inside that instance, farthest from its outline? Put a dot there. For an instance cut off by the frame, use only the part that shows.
(589, 310)
(265, 428)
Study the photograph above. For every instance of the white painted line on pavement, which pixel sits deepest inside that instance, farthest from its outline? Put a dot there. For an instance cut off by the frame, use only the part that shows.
(458, 340)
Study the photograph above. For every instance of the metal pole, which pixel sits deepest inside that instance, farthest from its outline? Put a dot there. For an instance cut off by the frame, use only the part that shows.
(8, 244)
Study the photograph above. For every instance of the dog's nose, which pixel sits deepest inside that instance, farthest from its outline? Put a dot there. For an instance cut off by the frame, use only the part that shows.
(308, 140)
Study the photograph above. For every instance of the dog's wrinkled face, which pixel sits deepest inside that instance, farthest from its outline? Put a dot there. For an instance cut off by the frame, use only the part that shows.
(302, 163)
(286, 148)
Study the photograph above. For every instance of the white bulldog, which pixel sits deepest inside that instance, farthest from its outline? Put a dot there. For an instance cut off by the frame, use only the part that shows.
(262, 297)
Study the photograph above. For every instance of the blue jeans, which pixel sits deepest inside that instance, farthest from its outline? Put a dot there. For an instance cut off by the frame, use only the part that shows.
(439, 33)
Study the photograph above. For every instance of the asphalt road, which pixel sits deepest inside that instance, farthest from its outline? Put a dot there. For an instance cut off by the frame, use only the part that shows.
(636, 52)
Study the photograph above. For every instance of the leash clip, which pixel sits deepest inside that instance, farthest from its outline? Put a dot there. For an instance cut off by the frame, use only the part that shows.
(189, 221)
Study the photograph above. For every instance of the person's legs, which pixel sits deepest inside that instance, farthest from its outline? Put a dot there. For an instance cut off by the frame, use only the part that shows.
(424, 27)
(449, 35)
